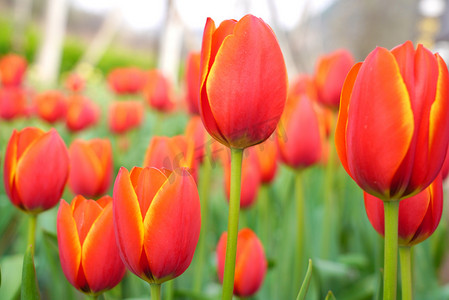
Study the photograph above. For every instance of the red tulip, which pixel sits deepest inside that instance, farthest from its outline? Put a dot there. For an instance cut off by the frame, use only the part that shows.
(88, 250)
(157, 221)
(13, 103)
(158, 91)
(90, 167)
(74, 83)
(193, 82)
(330, 73)
(196, 133)
(82, 113)
(393, 126)
(251, 179)
(51, 106)
(301, 132)
(128, 80)
(243, 81)
(419, 215)
(251, 264)
(36, 169)
(125, 115)
(267, 156)
(12, 70)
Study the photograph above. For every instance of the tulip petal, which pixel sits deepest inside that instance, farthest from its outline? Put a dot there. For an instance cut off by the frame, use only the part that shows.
(247, 116)
(340, 130)
(128, 223)
(172, 226)
(86, 171)
(43, 167)
(251, 264)
(68, 243)
(380, 130)
(101, 261)
(149, 183)
(85, 214)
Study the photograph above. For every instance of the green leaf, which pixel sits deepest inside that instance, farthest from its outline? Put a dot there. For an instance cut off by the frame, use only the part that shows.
(305, 284)
(330, 296)
(30, 289)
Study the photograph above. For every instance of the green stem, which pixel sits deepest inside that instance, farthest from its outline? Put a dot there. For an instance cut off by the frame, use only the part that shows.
(204, 188)
(329, 203)
(169, 290)
(155, 291)
(391, 209)
(233, 223)
(300, 238)
(92, 297)
(32, 220)
(264, 214)
(405, 256)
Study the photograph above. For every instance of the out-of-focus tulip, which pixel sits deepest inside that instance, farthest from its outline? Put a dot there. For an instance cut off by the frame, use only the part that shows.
(267, 154)
(13, 102)
(238, 108)
(82, 113)
(12, 70)
(51, 106)
(90, 167)
(36, 169)
(301, 132)
(251, 264)
(128, 80)
(88, 250)
(125, 115)
(74, 83)
(171, 153)
(445, 168)
(157, 221)
(193, 82)
(251, 178)
(393, 125)
(330, 73)
(419, 215)
(196, 132)
(158, 91)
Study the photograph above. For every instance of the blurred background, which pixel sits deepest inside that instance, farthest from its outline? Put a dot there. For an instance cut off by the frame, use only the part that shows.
(57, 36)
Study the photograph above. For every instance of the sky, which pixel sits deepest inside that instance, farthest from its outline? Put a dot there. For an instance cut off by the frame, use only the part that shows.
(149, 14)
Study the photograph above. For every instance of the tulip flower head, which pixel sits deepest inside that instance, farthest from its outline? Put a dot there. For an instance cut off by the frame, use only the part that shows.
(157, 221)
(193, 82)
(251, 264)
(13, 102)
(125, 115)
(158, 91)
(128, 80)
(393, 125)
(51, 106)
(243, 81)
(90, 167)
(36, 169)
(82, 113)
(88, 250)
(419, 215)
(267, 154)
(330, 73)
(12, 70)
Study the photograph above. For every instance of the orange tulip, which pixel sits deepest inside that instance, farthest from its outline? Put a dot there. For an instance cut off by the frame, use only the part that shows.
(36, 169)
(157, 220)
(125, 115)
(238, 108)
(196, 133)
(251, 178)
(330, 73)
(88, 250)
(13, 103)
(158, 91)
(301, 132)
(127, 80)
(192, 78)
(82, 113)
(393, 126)
(251, 264)
(12, 70)
(419, 215)
(90, 167)
(267, 154)
(51, 106)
